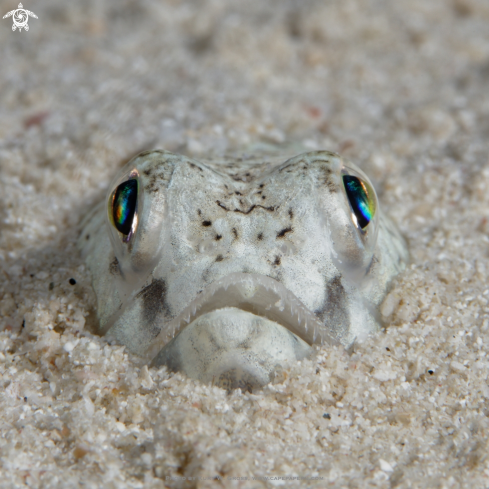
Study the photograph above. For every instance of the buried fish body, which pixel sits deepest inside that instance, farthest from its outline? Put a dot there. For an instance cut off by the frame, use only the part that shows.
(225, 270)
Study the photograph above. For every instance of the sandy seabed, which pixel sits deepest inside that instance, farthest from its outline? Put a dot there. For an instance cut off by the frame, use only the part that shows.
(401, 88)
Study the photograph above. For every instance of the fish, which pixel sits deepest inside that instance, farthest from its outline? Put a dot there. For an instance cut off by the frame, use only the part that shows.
(228, 268)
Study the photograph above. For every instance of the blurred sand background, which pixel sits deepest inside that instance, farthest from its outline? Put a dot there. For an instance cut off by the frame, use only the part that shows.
(401, 88)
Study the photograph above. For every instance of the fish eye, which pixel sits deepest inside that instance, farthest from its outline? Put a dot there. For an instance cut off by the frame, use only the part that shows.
(124, 203)
(362, 200)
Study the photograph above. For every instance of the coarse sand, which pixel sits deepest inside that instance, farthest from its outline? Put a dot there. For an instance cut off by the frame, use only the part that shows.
(400, 88)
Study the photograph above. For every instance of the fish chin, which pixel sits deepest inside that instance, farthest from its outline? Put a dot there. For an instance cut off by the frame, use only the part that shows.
(232, 348)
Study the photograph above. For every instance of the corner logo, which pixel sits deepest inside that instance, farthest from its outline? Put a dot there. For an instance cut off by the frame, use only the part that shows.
(20, 18)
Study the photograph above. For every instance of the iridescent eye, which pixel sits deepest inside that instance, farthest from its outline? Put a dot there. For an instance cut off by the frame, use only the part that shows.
(124, 206)
(361, 199)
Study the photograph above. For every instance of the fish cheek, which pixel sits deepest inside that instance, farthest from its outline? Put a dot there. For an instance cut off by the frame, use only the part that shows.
(334, 311)
(154, 303)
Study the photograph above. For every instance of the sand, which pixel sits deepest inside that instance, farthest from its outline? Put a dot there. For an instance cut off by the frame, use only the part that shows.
(400, 88)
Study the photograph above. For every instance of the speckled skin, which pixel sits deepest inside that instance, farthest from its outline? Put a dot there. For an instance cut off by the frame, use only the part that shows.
(281, 229)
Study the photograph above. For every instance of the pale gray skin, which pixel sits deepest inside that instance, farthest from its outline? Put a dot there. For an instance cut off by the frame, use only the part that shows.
(235, 267)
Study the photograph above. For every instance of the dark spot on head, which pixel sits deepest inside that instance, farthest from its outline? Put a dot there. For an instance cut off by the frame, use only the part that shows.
(291, 213)
(154, 301)
(114, 266)
(284, 231)
(235, 232)
(331, 186)
(277, 260)
(72, 281)
(147, 172)
(253, 207)
(220, 204)
(218, 237)
(206, 223)
(326, 416)
(51, 285)
(260, 236)
(261, 185)
(199, 212)
(219, 258)
(87, 237)
(31, 275)
(431, 372)
(263, 196)
(23, 323)
(238, 193)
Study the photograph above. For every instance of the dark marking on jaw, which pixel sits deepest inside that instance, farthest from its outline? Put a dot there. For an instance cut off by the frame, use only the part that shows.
(206, 223)
(154, 300)
(284, 231)
(218, 237)
(114, 267)
(260, 236)
(291, 213)
(219, 258)
(334, 311)
(277, 260)
(235, 232)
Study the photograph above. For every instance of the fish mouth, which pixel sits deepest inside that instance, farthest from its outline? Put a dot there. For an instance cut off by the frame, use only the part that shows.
(253, 293)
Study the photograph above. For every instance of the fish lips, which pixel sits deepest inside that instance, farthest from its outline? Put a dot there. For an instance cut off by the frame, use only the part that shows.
(237, 332)
(256, 294)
